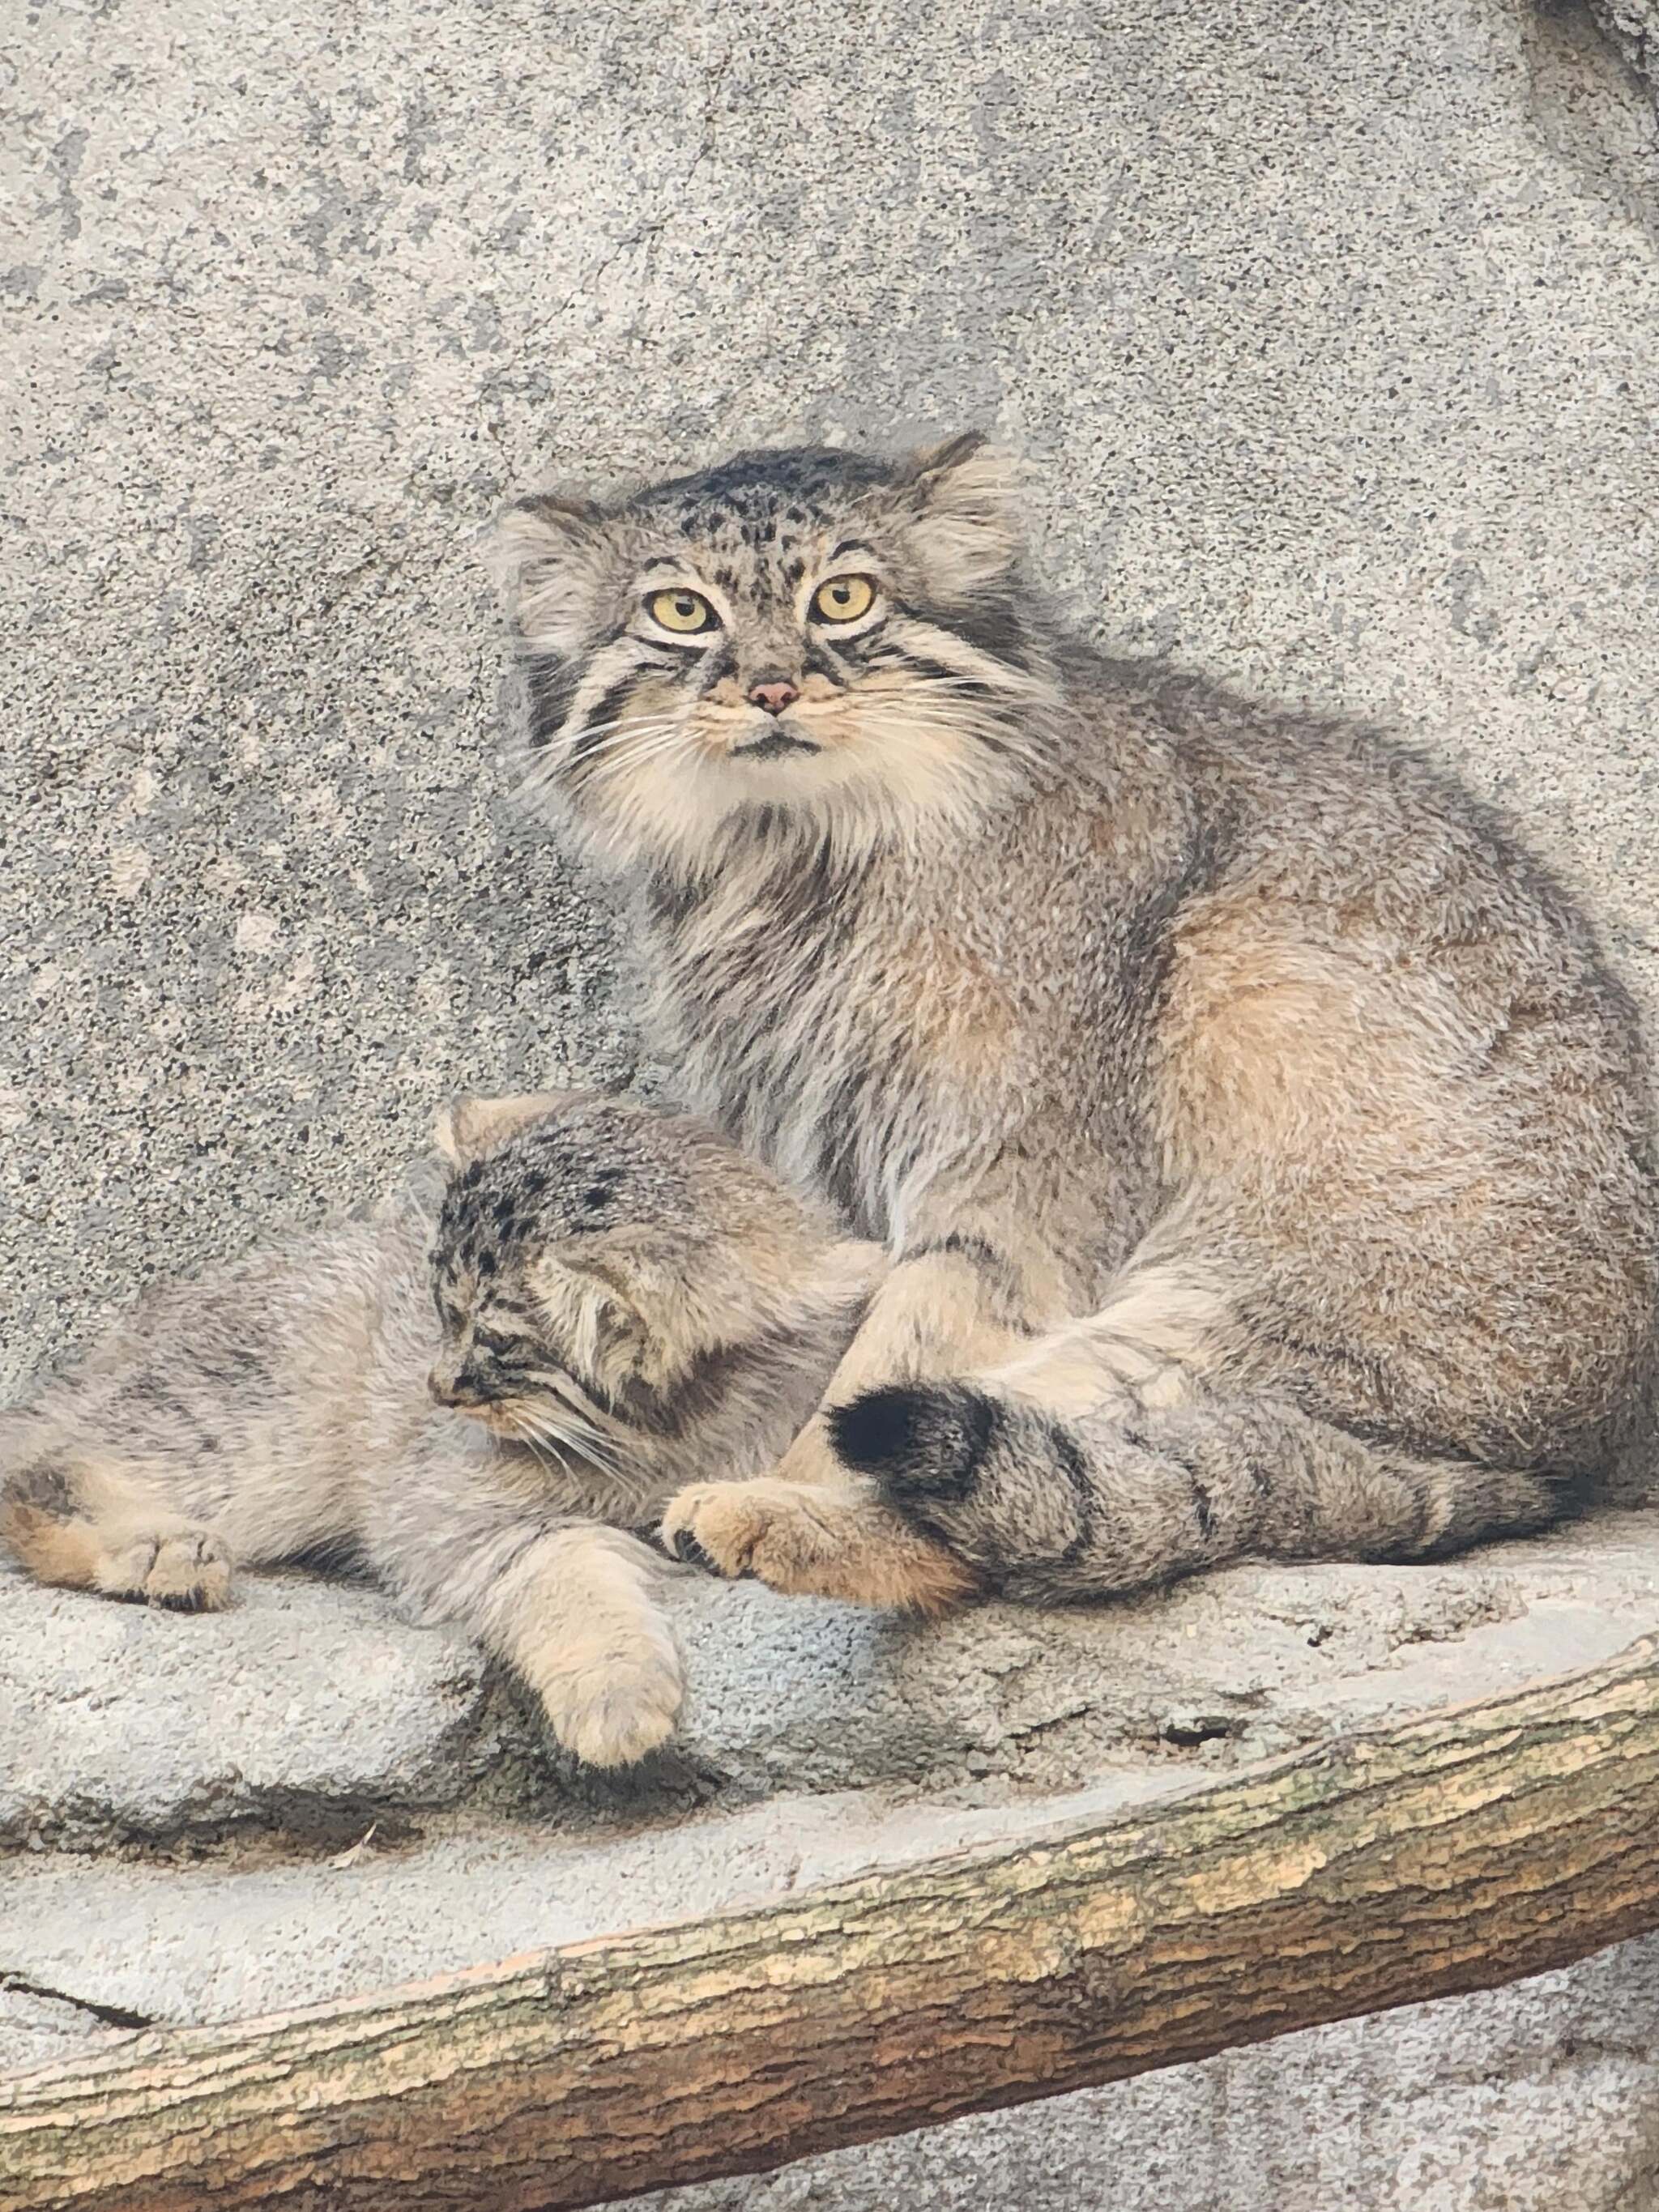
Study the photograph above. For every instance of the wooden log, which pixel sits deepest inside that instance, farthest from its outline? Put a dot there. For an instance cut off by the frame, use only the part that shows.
(1451, 1853)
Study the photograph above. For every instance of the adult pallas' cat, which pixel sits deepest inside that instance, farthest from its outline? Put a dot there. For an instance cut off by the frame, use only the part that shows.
(1260, 1143)
(610, 1299)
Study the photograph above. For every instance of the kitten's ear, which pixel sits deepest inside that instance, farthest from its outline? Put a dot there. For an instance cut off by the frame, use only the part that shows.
(550, 556)
(468, 1129)
(592, 1315)
(627, 1302)
(964, 521)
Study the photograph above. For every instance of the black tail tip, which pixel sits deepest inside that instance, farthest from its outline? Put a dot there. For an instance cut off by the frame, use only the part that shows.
(916, 1439)
(879, 1430)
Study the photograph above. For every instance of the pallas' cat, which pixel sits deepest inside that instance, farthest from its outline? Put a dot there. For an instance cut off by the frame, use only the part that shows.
(1260, 1144)
(480, 1408)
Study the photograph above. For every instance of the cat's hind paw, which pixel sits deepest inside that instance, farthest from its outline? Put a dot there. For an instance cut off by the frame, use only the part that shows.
(182, 1569)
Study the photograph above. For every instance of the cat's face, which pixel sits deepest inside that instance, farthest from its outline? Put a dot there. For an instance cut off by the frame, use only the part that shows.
(590, 1254)
(801, 634)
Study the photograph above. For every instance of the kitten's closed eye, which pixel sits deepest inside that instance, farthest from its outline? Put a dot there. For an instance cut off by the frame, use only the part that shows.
(503, 1347)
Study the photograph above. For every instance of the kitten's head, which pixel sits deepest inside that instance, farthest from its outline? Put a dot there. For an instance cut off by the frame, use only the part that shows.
(592, 1254)
(802, 635)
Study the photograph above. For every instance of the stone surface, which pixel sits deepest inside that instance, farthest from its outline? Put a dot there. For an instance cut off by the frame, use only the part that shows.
(227, 1940)
(290, 1711)
(36, 2030)
(1329, 339)
(303, 1798)
(1329, 334)
(1632, 27)
(307, 1710)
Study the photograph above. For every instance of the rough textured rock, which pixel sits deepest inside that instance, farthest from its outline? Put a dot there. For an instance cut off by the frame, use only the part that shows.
(118, 1937)
(1328, 335)
(1329, 354)
(307, 1711)
(1633, 26)
(303, 1798)
(36, 2030)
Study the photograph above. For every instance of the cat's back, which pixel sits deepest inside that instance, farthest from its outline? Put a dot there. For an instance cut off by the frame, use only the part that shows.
(1324, 813)
(294, 1338)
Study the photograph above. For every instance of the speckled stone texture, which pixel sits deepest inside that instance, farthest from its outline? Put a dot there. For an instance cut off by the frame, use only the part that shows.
(1329, 335)
(302, 1798)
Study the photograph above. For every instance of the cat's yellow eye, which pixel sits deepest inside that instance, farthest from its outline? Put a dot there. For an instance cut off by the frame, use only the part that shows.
(681, 610)
(843, 598)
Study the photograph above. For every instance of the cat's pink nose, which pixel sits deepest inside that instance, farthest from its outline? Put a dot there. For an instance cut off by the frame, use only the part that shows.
(774, 697)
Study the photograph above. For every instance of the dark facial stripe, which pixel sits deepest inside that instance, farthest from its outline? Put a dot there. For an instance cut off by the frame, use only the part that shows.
(595, 733)
(553, 684)
(966, 687)
(818, 660)
(720, 661)
(994, 625)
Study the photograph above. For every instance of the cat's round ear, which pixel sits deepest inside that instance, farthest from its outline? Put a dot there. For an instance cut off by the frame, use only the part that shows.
(964, 518)
(469, 1129)
(548, 554)
(929, 463)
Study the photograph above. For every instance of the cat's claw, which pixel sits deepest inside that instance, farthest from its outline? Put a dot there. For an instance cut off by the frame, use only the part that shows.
(717, 1526)
(685, 1547)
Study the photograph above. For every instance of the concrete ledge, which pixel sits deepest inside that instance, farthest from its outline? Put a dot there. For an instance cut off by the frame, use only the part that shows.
(309, 1708)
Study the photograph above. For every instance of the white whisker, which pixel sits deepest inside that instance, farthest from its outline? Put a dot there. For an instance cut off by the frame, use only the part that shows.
(570, 1426)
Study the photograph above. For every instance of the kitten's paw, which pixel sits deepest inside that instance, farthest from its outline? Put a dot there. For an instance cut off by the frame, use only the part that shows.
(185, 1570)
(613, 1707)
(809, 1541)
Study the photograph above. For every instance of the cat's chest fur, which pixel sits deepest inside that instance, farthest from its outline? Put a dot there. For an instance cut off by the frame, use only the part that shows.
(772, 997)
(859, 1029)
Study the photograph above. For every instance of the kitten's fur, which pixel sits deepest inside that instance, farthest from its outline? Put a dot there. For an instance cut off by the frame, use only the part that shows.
(1261, 1145)
(621, 1300)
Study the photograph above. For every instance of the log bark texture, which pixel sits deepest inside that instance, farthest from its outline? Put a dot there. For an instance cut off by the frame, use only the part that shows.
(1458, 1850)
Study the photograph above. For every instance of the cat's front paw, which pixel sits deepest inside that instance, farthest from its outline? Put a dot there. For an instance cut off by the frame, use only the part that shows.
(183, 1569)
(612, 1707)
(789, 1536)
(809, 1541)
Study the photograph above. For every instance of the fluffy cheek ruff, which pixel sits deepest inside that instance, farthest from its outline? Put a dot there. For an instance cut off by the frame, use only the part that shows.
(893, 757)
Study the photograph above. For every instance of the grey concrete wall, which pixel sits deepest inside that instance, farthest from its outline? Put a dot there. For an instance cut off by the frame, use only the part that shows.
(1329, 334)
(1328, 331)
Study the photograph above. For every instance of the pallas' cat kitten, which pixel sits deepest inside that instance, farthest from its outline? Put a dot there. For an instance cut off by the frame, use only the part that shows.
(1260, 1144)
(610, 1298)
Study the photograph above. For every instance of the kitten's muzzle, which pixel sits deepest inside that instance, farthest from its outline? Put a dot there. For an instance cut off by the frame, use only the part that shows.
(459, 1391)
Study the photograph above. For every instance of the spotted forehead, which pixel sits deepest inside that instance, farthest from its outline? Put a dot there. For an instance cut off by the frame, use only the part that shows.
(759, 517)
(753, 498)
